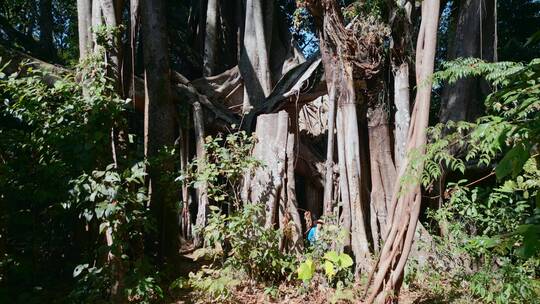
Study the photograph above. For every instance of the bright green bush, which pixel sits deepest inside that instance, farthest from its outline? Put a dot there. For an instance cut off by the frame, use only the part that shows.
(490, 247)
(241, 241)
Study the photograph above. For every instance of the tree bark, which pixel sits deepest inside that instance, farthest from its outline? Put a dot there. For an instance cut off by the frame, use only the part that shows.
(403, 115)
(159, 124)
(96, 18)
(84, 18)
(345, 217)
(474, 37)
(265, 186)
(46, 29)
(383, 172)
(405, 207)
(211, 38)
(353, 179)
(202, 192)
(254, 65)
(113, 51)
(294, 224)
(329, 166)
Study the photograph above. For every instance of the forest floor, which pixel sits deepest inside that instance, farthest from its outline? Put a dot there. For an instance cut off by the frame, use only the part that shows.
(289, 293)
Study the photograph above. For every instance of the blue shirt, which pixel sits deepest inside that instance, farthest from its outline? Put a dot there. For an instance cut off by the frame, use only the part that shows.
(312, 235)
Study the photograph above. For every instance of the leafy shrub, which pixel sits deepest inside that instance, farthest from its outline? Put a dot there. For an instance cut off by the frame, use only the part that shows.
(51, 134)
(236, 242)
(241, 241)
(144, 290)
(490, 250)
(322, 258)
(116, 203)
(335, 266)
(223, 167)
(240, 248)
(509, 284)
(214, 284)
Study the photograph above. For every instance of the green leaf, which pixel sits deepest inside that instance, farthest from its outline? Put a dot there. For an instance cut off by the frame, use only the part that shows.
(345, 260)
(332, 256)
(512, 162)
(531, 243)
(329, 269)
(306, 270)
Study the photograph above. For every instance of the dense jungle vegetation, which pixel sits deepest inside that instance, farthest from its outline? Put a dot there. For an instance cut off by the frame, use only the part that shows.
(258, 151)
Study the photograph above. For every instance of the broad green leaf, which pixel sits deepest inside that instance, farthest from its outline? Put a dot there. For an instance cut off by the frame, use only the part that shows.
(512, 161)
(329, 269)
(332, 256)
(306, 270)
(531, 235)
(345, 260)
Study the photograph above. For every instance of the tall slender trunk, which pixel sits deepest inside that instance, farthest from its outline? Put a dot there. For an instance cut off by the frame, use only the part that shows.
(405, 207)
(383, 172)
(84, 16)
(113, 51)
(97, 20)
(202, 192)
(263, 36)
(353, 179)
(159, 125)
(254, 64)
(329, 166)
(345, 217)
(185, 220)
(295, 224)
(211, 38)
(474, 37)
(403, 115)
(46, 29)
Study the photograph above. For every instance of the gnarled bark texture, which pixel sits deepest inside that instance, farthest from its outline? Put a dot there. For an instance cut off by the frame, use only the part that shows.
(383, 172)
(350, 56)
(406, 198)
(202, 191)
(273, 184)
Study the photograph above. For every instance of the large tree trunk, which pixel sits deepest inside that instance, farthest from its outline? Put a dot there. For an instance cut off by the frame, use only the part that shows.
(271, 149)
(202, 191)
(46, 29)
(406, 198)
(474, 37)
(403, 115)
(211, 38)
(348, 55)
(254, 57)
(159, 125)
(84, 18)
(274, 184)
(113, 51)
(383, 172)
